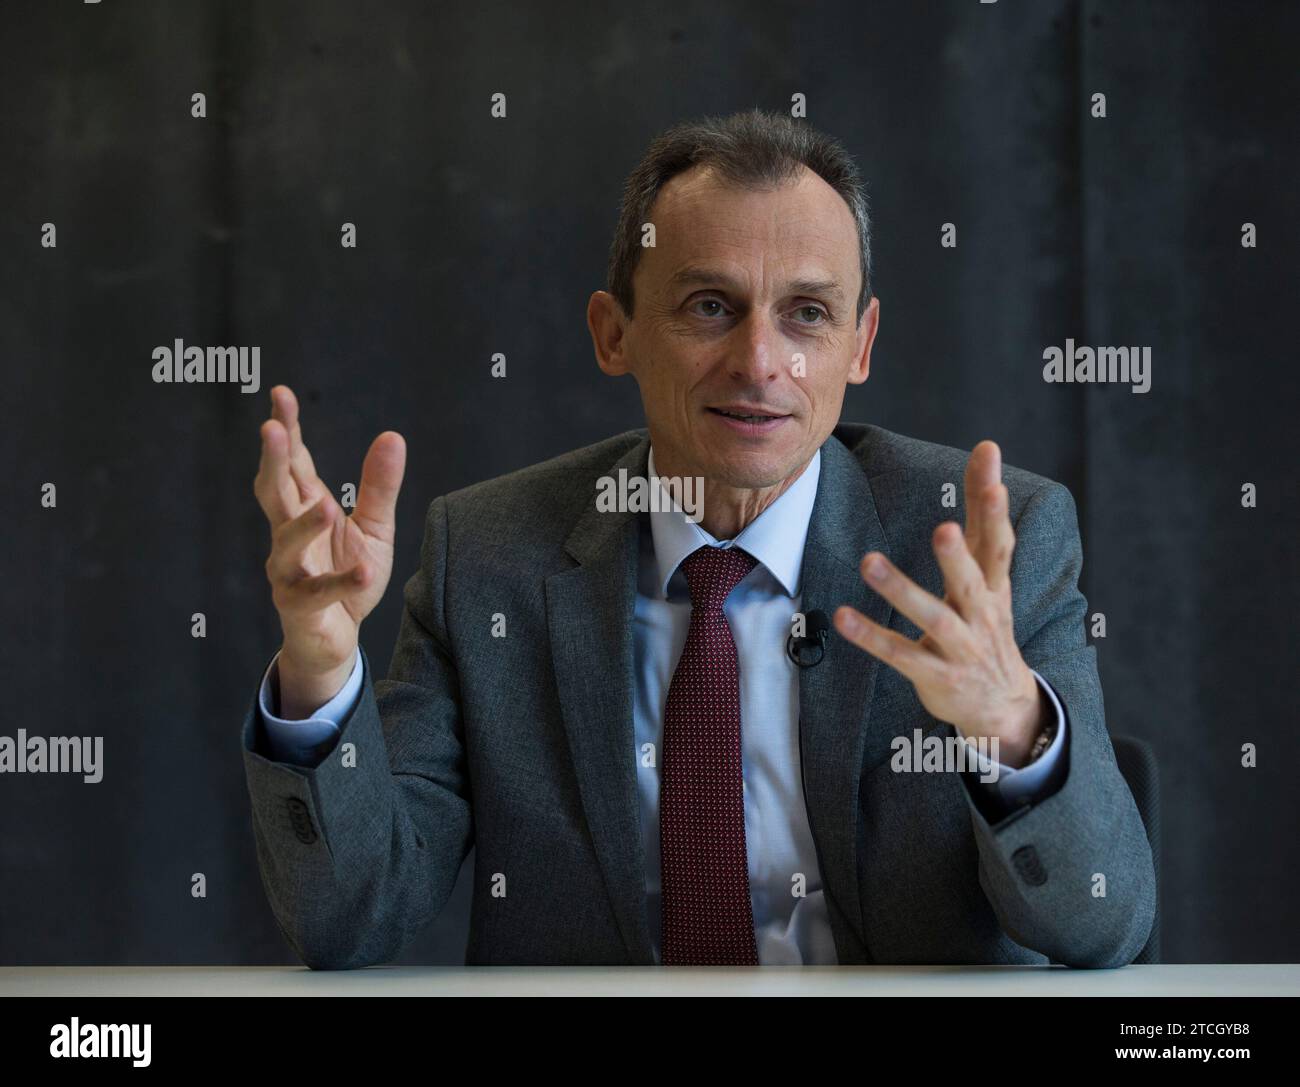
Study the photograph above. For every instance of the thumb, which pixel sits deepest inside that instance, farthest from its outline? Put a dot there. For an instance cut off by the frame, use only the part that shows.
(381, 479)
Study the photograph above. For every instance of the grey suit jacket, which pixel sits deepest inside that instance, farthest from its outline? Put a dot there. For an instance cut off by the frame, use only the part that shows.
(522, 746)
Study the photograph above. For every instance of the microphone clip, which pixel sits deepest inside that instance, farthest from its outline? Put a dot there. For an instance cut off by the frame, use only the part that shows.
(808, 651)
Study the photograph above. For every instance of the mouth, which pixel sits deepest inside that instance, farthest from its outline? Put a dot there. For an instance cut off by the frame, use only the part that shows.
(747, 418)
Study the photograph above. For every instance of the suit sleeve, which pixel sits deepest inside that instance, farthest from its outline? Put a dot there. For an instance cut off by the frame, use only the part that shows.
(361, 850)
(1044, 864)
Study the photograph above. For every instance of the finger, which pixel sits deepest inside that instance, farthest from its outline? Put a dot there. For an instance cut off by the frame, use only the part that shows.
(944, 626)
(311, 594)
(284, 407)
(905, 656)
(983, 470)
(999, 539)
(381, 479)
(275, 489)
(962, 577)
(292, 538)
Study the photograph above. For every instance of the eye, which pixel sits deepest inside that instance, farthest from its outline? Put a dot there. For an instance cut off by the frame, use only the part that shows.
(819, 315)
(709, 302)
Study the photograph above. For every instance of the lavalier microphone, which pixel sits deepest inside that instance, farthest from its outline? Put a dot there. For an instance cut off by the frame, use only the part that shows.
(808, 651)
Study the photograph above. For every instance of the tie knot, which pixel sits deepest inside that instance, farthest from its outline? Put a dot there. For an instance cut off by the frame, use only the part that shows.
(712, 572)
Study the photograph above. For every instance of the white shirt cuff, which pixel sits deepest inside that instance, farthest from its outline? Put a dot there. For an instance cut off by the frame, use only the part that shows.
(300, 741)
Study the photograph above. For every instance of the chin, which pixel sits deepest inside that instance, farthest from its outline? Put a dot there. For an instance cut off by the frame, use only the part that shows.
(751, 470)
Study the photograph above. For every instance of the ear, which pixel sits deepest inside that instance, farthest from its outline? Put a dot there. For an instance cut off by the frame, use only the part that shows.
(607, 324)
(867, 328)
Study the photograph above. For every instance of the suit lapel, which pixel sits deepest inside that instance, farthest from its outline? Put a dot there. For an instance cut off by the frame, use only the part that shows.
(590, 612)
(835, 696)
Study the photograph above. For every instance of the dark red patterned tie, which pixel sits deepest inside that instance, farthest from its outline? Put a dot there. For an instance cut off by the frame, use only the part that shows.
(707, 917)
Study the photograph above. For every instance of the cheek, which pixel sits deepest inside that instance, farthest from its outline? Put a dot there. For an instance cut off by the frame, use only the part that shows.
(819, 389)
(827, 380)
(666, 381)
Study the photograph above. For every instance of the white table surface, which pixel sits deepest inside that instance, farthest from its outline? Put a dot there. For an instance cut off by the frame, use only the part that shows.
(1162, 980)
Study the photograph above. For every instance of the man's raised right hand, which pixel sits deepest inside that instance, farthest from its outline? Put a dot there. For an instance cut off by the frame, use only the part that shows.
(327, 570)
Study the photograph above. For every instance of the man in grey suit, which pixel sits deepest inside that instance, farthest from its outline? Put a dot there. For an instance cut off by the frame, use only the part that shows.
(634, 709)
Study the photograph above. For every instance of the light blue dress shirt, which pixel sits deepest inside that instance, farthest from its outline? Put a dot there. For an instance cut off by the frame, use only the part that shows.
(789, 928)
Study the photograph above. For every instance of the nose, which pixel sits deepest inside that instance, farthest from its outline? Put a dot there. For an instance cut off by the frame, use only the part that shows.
(754, 356)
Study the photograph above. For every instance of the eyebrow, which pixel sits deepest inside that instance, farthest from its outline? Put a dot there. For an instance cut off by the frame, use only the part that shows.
(701, 275)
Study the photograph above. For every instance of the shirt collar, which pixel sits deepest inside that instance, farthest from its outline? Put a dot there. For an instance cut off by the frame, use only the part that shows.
(775, 537)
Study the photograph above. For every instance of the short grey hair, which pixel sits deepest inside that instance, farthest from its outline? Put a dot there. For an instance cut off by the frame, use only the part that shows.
(751, 149)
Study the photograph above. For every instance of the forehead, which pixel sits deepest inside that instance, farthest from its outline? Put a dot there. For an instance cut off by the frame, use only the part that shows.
(699, 216)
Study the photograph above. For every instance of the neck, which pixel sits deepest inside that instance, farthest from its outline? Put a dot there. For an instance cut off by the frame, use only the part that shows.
(727, 509)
